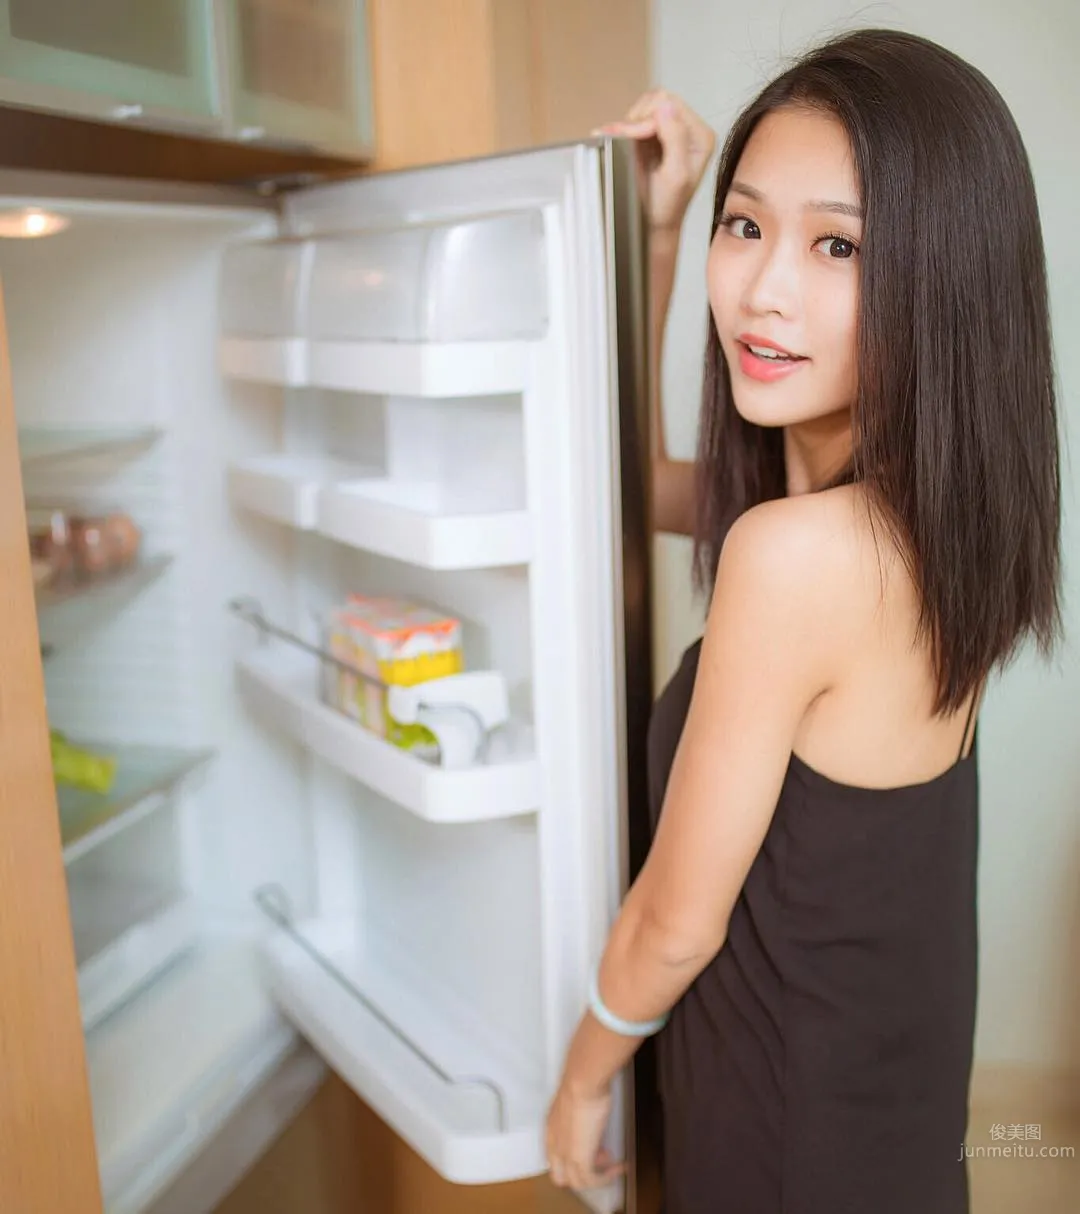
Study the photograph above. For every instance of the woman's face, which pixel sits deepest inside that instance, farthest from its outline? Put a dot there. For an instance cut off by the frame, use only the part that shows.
(783, 271)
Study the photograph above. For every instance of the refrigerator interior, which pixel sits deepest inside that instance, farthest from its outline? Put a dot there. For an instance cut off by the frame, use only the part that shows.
(398, 386)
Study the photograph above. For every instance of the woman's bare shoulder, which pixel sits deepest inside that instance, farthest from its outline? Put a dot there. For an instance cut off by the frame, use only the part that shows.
(815, 562)
(809, 537)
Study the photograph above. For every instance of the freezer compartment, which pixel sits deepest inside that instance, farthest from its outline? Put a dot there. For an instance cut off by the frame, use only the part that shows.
(429, 310)
(265, 360)
(282, 689)
(428, 1068)
(170, 1068)
(264, 287)
(472, 280)
(262, 294)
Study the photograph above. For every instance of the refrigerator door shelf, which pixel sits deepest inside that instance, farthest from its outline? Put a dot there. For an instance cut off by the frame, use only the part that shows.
(282, 688)
(407, 520)
(286, 488)
(383, 368)
(461, 710)
(461, 368)
(459, 1128)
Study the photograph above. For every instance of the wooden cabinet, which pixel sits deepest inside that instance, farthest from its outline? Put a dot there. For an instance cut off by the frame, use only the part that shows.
(474, 77)
(298, 73)
(310, 86)
(112, 59)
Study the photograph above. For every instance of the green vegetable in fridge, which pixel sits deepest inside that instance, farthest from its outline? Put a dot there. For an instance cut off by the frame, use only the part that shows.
(80, 768)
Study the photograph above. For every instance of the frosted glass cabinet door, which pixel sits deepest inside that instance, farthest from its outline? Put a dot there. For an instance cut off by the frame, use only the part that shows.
(299, 72)
(142, 60)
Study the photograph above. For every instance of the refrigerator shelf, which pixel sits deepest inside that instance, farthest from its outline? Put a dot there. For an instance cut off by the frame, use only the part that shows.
(128, 937)
(282, 688)
(360, 507)
(315, 972)
(383, 368)
(70, 611)
(145, 777)
(48, 447)
(169, 1068)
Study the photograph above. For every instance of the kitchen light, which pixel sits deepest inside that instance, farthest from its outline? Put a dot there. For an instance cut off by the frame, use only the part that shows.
(30, 222)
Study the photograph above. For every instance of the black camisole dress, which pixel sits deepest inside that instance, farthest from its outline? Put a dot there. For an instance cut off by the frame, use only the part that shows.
(820, 1063)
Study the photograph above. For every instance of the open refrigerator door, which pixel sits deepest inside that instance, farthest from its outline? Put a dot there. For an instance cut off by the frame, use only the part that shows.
(467, 422)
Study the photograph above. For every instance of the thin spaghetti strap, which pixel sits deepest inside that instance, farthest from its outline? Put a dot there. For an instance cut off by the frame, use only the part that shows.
(967, 723)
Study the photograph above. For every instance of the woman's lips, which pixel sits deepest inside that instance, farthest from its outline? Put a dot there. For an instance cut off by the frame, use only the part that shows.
(767, 370)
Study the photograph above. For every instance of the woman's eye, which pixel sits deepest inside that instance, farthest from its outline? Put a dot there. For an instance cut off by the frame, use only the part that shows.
(740, 226)
(839, 248)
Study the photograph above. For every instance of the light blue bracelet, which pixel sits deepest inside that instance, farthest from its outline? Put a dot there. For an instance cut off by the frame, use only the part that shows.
(625, 1028)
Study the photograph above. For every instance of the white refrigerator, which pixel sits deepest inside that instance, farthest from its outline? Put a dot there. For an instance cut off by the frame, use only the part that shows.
(428, 384)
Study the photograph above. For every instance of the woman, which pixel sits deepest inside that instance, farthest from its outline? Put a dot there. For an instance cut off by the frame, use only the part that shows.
(877, 516)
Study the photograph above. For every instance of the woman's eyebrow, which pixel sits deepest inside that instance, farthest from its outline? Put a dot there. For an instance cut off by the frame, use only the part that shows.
(838, 208)
(748, 191)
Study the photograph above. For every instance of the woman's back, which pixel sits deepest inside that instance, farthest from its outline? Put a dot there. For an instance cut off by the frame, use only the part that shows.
(874, 726)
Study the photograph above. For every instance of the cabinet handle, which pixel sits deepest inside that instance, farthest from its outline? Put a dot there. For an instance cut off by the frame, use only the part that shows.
(127, 111)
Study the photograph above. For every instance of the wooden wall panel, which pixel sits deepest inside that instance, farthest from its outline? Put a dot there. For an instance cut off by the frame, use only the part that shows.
(47, 1163)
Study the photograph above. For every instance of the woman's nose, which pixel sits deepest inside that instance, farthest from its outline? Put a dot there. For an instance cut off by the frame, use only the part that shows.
(773, 284)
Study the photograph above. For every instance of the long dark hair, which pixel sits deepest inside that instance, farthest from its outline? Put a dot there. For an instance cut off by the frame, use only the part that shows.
(954, 425)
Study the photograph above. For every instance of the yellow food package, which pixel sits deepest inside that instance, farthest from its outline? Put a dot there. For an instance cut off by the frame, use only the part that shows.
(398, 643)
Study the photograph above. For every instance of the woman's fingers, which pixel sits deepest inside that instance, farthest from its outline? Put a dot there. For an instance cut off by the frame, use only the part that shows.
(674, 134)
(645, 104)
(640, 128)
(579, 1174)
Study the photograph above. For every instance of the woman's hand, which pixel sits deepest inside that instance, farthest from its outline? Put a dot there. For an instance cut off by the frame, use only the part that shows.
(575, 1128)
(673, 150)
